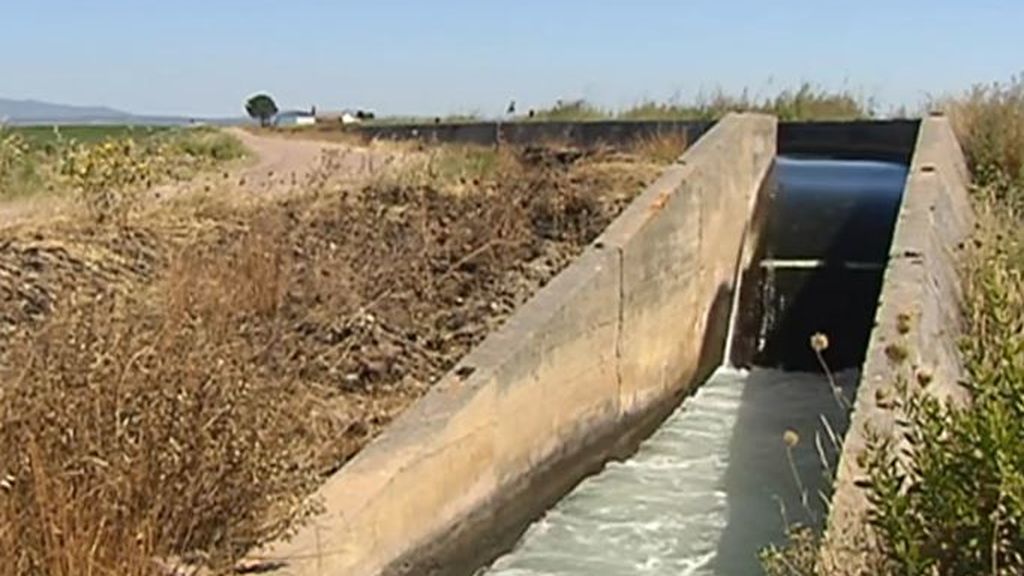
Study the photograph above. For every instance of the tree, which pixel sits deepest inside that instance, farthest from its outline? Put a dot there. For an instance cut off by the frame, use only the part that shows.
(262, 108)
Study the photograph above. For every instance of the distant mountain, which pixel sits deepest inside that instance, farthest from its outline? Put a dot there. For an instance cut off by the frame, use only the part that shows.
(37, 112)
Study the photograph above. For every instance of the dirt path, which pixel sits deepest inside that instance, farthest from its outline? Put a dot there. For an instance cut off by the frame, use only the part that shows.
(290, 161)
(277, 165)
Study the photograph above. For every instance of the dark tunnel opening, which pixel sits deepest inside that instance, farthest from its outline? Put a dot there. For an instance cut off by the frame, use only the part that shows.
(833, 200)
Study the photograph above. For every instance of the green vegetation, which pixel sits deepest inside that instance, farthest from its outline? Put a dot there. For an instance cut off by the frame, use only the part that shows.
(38, 160)
(947, 494)
(989, 121)
(261, 107)
(42, 136)
(574, 111)
(209, 144)
(466, 163)
(19, 173)
(803, 103)
(949, 499)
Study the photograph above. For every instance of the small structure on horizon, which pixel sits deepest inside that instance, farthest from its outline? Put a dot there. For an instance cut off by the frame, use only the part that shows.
(295, 118)
(344, 117)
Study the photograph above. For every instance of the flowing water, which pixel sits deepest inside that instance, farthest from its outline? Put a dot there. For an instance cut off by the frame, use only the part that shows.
(718, 482)
(705, 493)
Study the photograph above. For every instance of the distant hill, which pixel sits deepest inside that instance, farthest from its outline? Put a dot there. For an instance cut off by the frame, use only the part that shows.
(26, 112)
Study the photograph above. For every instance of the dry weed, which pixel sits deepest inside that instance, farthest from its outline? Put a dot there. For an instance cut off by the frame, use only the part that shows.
(247, 350)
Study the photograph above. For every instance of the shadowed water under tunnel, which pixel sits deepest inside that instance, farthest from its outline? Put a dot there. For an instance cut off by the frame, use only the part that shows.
(717, 483)
(821, 262)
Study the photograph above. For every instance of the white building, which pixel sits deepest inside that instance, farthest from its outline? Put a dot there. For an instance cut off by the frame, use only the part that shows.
(294, 118)
(344, 117)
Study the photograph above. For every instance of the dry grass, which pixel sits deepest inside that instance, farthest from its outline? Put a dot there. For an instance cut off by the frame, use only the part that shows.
(144, 426)
(174, 387)
(989, 121)
(142, 440)
(667, 147)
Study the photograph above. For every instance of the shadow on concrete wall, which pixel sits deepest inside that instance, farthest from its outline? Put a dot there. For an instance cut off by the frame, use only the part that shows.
(480, 540)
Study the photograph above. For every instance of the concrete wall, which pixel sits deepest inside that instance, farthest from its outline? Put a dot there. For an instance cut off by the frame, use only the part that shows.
(921, 281)
(578, 375)
(584, 134)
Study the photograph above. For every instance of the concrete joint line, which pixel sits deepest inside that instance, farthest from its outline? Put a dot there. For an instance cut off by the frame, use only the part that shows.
(620, 321)
(700, 258)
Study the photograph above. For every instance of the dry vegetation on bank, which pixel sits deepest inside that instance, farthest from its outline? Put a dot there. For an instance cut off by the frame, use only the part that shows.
(177, 380)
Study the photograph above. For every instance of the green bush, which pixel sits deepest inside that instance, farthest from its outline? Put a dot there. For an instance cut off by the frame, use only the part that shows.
(108, 177)
(19, 167)
(808, 103)
(573, 111)
(948, 494)
(949, 497)
(800, 104)
(654, 110)
(110, 165)
(208, 145)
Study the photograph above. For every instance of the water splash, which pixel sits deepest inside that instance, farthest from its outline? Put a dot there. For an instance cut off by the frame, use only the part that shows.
(701, 495)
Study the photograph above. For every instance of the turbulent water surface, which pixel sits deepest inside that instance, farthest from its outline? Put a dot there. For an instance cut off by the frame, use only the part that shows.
(704, 494)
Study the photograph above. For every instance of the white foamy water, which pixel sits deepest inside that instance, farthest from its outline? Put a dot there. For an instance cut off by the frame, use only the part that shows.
(703, 495)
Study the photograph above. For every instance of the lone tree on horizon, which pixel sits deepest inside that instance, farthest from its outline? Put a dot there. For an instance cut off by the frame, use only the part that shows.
(262, 108)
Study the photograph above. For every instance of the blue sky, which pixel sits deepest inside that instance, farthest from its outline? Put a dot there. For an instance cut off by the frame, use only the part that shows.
(203, 57)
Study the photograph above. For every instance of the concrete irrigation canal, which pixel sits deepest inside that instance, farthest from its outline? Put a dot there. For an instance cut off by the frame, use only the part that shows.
(715, 484)
(658, 408)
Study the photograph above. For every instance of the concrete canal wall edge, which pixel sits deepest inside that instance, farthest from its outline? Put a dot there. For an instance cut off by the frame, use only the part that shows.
(921, 290)
(581, 373)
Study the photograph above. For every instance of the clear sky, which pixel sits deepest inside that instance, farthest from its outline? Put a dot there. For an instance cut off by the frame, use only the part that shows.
(203, 57)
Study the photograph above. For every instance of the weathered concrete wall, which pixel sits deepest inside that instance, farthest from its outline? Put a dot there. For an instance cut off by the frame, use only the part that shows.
(680, 248)
(584, 134)
(921, 284)
(579, 374)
